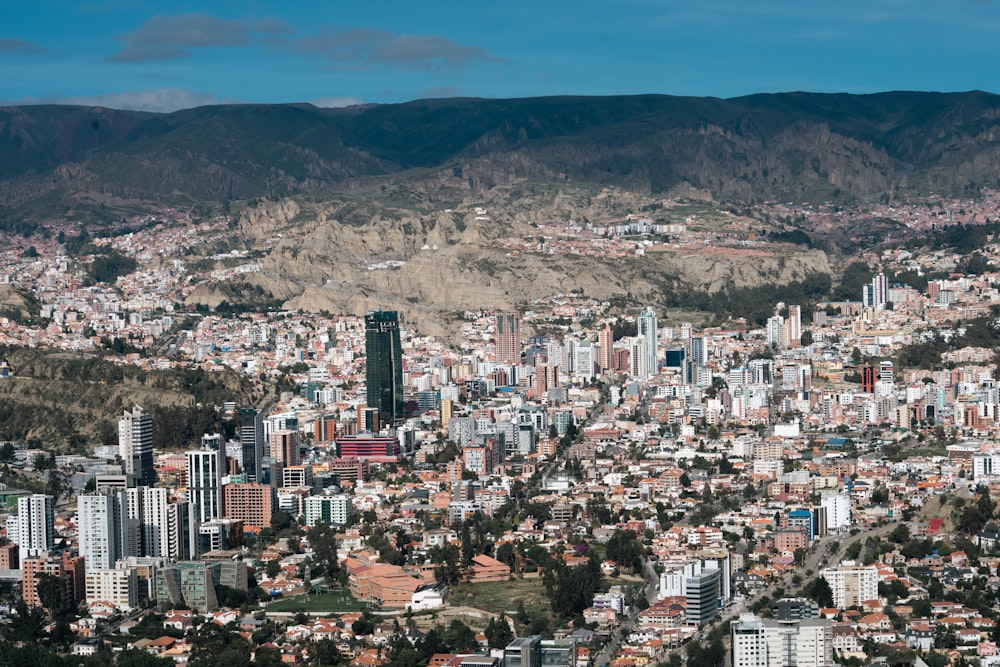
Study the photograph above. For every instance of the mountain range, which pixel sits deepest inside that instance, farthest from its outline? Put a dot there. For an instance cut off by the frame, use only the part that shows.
(92, 162)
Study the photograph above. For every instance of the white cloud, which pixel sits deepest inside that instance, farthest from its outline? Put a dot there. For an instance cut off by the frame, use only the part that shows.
(170, 37)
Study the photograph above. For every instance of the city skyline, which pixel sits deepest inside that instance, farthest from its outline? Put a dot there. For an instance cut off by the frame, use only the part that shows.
(157, 56)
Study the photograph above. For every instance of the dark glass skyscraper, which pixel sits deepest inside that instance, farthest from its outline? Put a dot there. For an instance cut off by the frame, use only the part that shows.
(384, 365)
(252, 442)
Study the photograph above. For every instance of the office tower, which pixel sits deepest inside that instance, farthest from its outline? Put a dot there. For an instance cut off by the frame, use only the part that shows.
(507, 337)
(135, 446)
(523, 652)
(101, 527)
(702, 598)
(606, 342)
(384, 365)
(851, 584)
(253, 504)
(205, 469)
(251, 442)
(648, 329)
(35, 526)
(583, 359)
(699, 355)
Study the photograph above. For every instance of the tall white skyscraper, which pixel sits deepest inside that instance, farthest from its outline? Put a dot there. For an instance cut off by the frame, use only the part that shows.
(205, 468)
(35, 525)
(148, 522)
(102, 529)
(648, 328)
(638, 357)
(135, 446)
(880, 290)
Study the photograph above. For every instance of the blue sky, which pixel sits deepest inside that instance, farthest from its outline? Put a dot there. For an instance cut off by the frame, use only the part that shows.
(157, 55)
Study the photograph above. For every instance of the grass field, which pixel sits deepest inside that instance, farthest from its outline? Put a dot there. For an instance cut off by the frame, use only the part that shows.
(323, 602)
(500, 596)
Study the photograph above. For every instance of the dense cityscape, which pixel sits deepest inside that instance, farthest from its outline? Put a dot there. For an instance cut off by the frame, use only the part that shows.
(572, 483)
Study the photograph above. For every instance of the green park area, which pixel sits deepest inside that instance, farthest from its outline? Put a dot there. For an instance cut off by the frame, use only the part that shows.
(335, 602)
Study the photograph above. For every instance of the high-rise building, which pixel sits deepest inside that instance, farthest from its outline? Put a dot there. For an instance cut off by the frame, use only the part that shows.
(638, 357)
(152, 530)
(251, 443)
(253, 504)
(35, 526)
(775, 327)
(507, 337)
(771, 643)
(101, 528)
(285, 447)
(851, 584)
(702, 599)
(606, 343)
(205, 469)
(794, 326)
(384, 365)
(880, 291)
(68, 569)
(699, 354)
(647, 328)
(135, 446)
(868, 378)
(335, 509)
(583, 359)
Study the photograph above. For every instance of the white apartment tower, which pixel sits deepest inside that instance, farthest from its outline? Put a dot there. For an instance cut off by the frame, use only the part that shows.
(205, 469)
(648, 328)
(35, 525)
(851, 583)
(101, 526)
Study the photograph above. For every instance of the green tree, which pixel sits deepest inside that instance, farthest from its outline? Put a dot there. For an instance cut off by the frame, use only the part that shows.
(821, 592)
(135, 657)
(215, 646)
(326, 654)
(50, 592)
(281, 520)
(498, 632)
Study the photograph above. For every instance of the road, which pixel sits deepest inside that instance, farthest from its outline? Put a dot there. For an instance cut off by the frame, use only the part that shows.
(814, 558)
